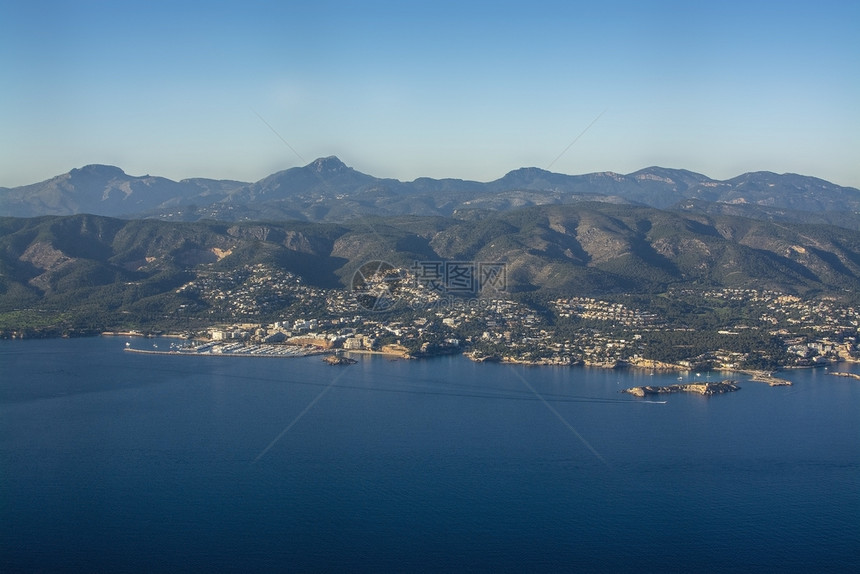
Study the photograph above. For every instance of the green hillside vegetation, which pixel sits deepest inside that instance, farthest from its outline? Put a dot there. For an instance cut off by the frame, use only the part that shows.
(92, 272)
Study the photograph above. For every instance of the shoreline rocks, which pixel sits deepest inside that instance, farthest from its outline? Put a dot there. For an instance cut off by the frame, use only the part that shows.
(843, 374)
(767, 378)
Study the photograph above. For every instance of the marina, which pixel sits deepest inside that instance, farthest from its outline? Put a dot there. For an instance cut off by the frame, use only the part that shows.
(220, 349)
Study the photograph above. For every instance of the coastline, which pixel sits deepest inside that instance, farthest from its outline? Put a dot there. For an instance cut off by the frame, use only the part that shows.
(396, 354)
(263, 350)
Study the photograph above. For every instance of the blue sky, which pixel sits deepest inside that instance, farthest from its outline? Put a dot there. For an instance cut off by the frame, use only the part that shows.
(439, 89)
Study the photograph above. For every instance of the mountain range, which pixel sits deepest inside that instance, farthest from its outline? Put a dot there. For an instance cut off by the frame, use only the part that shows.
(96, 248)
(328, 190)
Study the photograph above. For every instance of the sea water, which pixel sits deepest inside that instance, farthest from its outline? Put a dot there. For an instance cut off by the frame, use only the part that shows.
(114, 461)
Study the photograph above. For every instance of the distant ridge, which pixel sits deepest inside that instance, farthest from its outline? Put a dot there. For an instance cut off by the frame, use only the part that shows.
(327, 189)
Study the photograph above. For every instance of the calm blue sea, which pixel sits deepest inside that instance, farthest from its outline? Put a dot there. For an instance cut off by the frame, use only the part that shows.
(111, 461)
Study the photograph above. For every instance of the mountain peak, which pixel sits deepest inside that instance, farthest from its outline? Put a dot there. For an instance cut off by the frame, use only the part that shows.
(98, 170)
(528, 172)
(330, 164)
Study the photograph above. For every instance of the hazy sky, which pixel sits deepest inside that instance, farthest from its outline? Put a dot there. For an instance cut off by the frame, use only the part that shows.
(439, 89)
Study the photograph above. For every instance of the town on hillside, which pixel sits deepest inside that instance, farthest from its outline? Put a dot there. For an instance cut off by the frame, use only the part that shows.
(719, 329)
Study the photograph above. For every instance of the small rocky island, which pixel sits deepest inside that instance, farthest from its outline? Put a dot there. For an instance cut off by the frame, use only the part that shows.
(338, 360)
(842, 374)
(706, 389)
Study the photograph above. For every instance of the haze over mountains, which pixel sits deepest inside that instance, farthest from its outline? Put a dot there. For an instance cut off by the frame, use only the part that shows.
(328, 190)
(96, 247)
